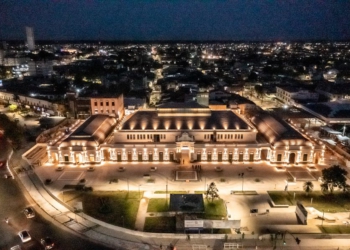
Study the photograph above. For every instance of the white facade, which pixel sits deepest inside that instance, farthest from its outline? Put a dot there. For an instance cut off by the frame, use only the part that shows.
(184, 136)
(288, 95)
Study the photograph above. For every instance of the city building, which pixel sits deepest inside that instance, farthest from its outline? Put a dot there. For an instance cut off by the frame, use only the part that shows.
(30, 38)
(289, 94)
(112, 106)
(185, 133)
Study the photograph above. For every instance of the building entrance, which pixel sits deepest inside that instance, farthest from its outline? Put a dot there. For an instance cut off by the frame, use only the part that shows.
(185, 155)
(292, 158)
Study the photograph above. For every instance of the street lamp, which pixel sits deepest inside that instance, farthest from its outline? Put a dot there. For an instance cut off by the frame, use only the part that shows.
(242, 176)
(322, 218)
(166, 191)
(227, 214)
(139, 192)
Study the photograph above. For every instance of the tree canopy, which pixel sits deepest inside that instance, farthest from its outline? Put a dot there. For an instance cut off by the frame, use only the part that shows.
(334, 176)
(12, 132)
(212, 192)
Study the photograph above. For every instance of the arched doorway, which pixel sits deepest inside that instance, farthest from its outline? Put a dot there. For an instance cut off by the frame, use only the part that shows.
(291, 157)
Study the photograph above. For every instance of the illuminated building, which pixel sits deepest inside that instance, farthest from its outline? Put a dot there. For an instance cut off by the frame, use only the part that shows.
(185, 133)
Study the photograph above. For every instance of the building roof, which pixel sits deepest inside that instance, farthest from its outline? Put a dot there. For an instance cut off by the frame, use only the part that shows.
(93, 131)
(185, 119)
(337, 109)
(187, 203)
(181, 105)
(276, 130)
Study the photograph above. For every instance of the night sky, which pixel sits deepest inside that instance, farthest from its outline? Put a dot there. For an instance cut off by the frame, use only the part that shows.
(276, 20)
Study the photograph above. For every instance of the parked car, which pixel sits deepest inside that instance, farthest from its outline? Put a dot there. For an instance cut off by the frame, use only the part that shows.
(121, 169)
(59, 169)
(25, 236)
(16, 248)
(218, 169)
(90, 169)
(320, 179)
(153, 169)
(29, 212)
(47, 243)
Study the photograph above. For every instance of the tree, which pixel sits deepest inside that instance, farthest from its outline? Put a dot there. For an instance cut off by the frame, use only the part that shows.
(212, 192)
(308, 187)
(333, 177)
(260, 91)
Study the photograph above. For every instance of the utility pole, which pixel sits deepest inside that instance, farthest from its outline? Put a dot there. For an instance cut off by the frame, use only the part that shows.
(322, 219)
(242, 176)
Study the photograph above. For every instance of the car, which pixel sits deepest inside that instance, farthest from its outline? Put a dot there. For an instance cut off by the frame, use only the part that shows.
(218, 169)
(29, 212)
(90, 169)
(16, 248)
(153, 169)
(25, 236)
(121, 169)
(59, 169)
(320, 179)
(47, 242)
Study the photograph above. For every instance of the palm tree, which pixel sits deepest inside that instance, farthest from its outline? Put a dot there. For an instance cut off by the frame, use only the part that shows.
(308, 187)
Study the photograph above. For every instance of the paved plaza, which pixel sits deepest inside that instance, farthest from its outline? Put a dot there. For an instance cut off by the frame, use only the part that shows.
(177, 177)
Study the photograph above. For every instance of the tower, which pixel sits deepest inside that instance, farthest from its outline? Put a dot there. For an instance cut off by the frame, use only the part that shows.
(30, 38)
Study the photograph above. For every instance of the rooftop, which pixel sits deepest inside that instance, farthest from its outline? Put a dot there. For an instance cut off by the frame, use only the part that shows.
(185, 119)
(95, 129)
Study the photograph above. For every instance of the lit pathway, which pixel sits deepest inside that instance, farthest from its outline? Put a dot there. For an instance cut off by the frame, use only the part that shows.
(141, 214)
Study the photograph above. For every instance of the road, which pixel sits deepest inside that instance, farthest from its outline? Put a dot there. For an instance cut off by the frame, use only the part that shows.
(12, 203)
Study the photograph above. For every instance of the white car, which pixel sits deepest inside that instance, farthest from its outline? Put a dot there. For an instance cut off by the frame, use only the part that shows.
(16, 248)
(25, 236)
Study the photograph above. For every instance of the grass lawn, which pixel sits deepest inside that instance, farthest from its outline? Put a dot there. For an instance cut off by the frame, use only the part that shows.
(115, 207)
(160, 224)
(336, 202)
(215, 210)
(158, 205)
(336, 229)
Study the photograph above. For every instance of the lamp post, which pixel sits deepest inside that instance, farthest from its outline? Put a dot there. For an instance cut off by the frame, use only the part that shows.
(242, 176)
(322, 218)
(139, 192)
(227, 215)
(127, 181)
(166, 191)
